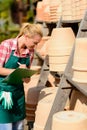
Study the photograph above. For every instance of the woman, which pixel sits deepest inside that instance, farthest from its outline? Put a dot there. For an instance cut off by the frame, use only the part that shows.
(12, 52)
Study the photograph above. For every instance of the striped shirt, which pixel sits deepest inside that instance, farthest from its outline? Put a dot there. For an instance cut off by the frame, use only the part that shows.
(6, 48)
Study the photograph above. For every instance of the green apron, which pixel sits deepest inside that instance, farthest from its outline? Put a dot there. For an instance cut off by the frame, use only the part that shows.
(18, 110)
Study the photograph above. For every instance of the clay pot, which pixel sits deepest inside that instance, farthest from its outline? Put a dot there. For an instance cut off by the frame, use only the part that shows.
(46, 2)
(41, 43)
(54, 3)
(39, 11)
(31, 90)
(79, 76)
(60, 46)
(79, 61)
(46, 10)
(45, 102)
(80, 54)
(69, 120)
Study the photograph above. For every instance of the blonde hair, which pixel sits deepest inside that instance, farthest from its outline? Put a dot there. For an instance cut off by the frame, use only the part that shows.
(30, 30)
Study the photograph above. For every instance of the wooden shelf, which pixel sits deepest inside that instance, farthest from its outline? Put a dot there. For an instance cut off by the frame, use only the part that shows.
(82, 87)
(71, 21)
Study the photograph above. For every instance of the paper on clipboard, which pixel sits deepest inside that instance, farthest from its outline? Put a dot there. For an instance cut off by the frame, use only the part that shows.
(16, 76)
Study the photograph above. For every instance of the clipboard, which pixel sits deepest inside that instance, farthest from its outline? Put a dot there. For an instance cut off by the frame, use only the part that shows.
(15, 78)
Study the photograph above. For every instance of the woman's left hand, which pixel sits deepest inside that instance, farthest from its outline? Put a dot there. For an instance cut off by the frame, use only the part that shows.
(26, 80)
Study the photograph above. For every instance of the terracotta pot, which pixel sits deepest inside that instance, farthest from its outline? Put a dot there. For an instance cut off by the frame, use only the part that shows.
(58, 60)
(57, 67)
(79, 76)
(39, 11)
(31, 90)
(55, 10)
(60, 45)
(41, 43)
(46, 10)
(30, 112)
(54, 2)
(46, 13)
(45, 102)
(79, 61)
(62, 36)
(44, 50)
(46, 2)
(80, 54)
(69, 120)
(58, 51)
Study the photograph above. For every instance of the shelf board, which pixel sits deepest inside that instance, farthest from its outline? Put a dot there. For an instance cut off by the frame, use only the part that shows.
(82, 87)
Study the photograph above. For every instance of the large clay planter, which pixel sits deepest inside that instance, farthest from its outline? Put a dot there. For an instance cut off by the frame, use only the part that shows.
(79, 61)
(78, 102)
(69, 120)
(60, 46)
(44, 106)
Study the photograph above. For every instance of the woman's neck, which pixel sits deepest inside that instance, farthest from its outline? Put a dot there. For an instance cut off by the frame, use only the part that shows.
(20, 47)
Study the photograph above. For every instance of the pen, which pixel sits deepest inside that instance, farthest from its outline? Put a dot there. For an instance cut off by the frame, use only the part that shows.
(19, 63)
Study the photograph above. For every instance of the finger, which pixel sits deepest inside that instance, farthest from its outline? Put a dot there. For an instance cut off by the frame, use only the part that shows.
(4, 104)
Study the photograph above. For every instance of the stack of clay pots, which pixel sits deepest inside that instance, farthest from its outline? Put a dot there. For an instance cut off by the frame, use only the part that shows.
(39, 11)
(69, 120)
(55, 10)
(80, 61)
(48, 10)
(51, 10)
(67, 10)
(31, 97)
(42, 10)
(60, 46)
(73, 9)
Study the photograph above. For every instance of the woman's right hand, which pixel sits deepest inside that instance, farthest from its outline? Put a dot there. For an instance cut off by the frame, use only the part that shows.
(26, 80)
